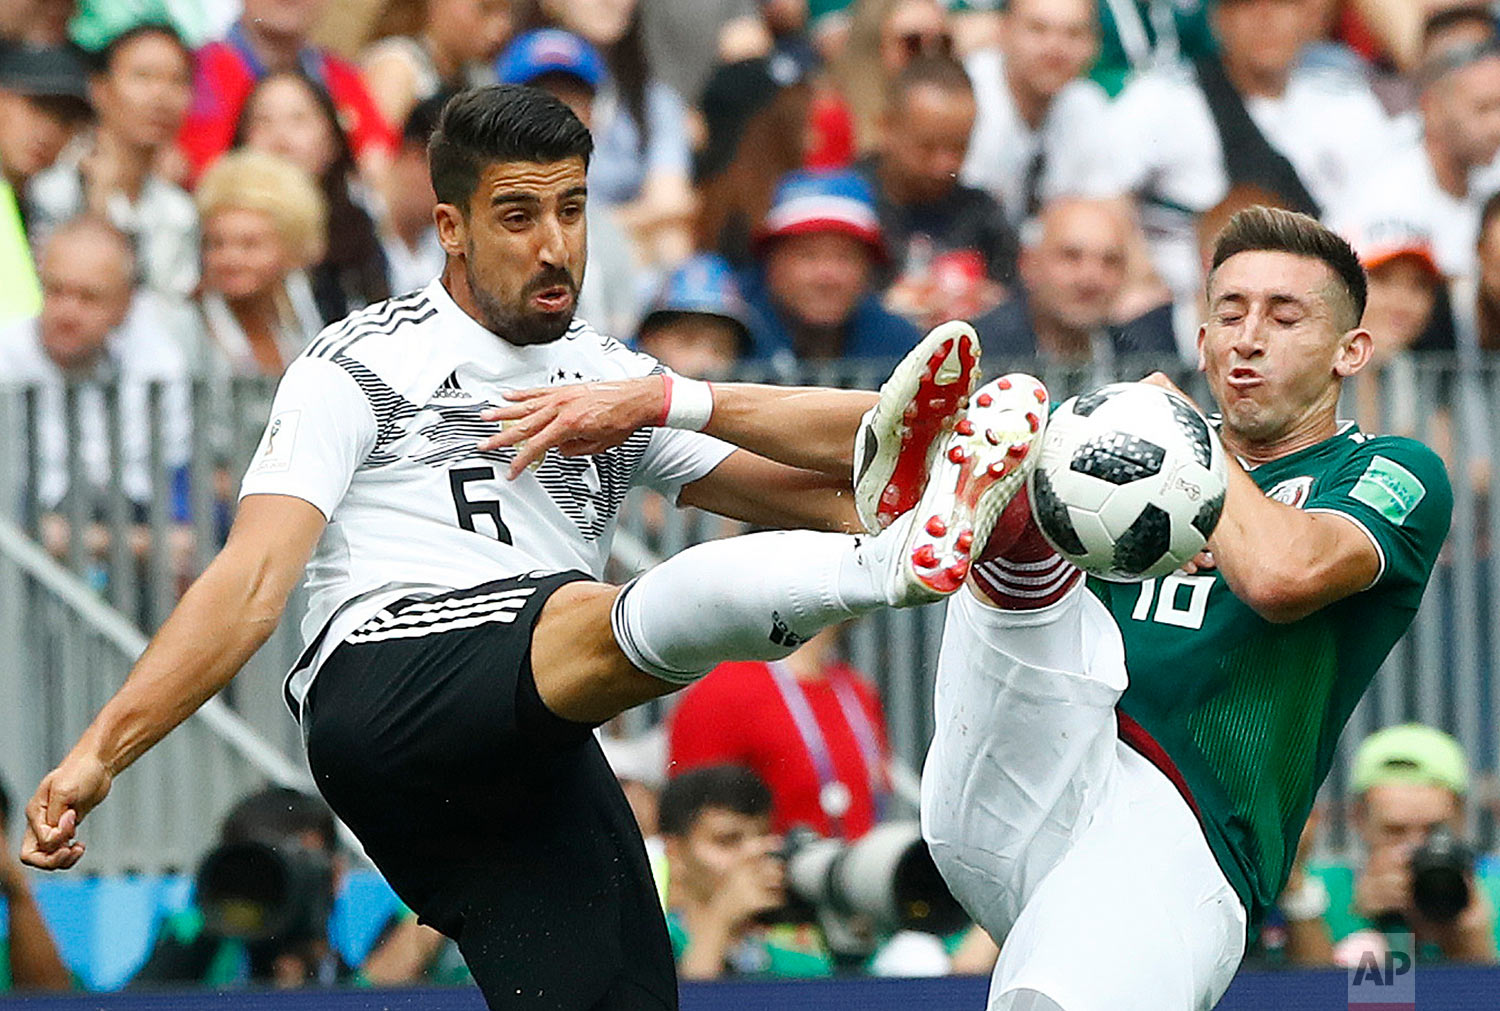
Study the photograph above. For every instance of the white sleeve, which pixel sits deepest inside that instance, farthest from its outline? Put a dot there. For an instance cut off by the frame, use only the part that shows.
(1166, 144)
(321, 428)
(675, 458)
(1088, 153)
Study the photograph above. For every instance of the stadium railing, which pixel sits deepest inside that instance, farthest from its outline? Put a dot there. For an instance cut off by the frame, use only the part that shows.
(59, 666)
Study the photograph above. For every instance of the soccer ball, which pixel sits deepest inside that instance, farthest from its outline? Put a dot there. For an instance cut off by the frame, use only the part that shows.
(1130, 483)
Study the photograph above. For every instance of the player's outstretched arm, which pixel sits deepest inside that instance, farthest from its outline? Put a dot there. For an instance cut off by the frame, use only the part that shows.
(808, 427)
(224, 617)
(769, 494)
(1283, 562)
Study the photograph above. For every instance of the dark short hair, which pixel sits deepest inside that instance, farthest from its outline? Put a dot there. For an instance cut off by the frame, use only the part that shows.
(1444, 18)
(942, 72)
(500, 122)
(278, 812)
(727, 787)
(423, 119)
(4, 806)
(1271, 229)
(104, 59)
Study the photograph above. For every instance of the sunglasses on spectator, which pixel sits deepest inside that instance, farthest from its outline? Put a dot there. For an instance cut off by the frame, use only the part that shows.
(915, 44)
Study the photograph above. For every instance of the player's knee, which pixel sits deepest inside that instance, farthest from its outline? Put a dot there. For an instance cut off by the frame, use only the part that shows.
(1024, 999)
(625, 620)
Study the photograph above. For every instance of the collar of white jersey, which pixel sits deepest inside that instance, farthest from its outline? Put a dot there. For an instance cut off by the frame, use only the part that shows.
(465, 330)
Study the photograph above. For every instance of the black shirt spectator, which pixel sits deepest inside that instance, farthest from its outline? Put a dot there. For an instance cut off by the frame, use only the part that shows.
(952, 250)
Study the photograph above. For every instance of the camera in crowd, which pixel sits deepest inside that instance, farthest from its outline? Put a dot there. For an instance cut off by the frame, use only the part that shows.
(265, 889)
(884, 882)
(1440, 872)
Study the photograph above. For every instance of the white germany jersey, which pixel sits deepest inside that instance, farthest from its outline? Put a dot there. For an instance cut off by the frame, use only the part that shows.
(376, 424)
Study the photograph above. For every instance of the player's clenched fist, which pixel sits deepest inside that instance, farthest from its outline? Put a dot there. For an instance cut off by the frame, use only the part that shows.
(67, 793)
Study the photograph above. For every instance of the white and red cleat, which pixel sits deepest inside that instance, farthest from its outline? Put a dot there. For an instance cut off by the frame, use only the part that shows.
(918, 407)
(979, 469)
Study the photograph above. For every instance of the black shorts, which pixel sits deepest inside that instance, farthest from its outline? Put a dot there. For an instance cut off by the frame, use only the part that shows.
(497, 821)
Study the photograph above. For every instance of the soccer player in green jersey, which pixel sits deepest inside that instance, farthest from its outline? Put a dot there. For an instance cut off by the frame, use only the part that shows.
(1120, 773)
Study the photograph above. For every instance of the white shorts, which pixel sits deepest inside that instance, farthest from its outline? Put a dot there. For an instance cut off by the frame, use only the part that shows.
(1072, 850)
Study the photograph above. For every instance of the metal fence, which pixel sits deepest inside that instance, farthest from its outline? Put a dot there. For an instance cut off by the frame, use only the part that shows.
(131, 491)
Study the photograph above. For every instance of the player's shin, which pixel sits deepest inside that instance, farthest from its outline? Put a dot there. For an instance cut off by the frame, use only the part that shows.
(756, 597)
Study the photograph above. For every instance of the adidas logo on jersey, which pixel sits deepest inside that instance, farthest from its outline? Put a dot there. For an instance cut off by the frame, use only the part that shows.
(450, 390)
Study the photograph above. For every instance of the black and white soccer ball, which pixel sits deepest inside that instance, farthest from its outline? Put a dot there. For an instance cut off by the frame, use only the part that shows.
(1130, 483)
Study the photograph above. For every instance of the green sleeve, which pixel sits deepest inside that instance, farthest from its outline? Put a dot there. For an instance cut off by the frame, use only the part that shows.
(1397, 490)
(4, 963)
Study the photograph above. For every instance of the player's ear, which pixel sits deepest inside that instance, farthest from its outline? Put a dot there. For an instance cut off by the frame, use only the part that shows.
(452, 229)
(1202, 335)
(1355, 348)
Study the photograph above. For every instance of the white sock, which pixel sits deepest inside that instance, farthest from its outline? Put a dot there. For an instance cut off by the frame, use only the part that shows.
(756, 597)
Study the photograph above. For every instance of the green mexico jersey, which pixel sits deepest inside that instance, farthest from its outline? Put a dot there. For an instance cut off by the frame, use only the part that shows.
(1250, 711)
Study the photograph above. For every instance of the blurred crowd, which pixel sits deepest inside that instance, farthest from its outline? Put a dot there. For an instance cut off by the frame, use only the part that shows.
(191, 189)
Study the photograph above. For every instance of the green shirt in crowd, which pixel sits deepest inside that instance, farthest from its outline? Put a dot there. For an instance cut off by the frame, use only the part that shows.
(1250, 711)
(784, 951)
(1344, 920)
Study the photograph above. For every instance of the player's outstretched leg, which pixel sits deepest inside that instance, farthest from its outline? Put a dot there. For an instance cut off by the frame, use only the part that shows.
(759, 596)
(1028, 677)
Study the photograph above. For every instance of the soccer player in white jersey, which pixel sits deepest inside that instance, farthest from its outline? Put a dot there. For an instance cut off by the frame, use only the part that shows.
(460, 644)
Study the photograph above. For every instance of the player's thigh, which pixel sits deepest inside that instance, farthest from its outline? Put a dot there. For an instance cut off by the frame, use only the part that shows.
(563, 911)
(580, 672)
(1136, 916)
(1025, 747)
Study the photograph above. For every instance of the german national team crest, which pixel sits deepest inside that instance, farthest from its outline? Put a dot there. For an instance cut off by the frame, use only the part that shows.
(1293, 491)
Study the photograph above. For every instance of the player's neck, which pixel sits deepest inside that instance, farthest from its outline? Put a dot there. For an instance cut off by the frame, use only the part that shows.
(456, 283)
(1315, 427)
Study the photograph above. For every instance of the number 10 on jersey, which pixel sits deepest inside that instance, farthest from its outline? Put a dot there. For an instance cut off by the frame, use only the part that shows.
(1173, 606)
